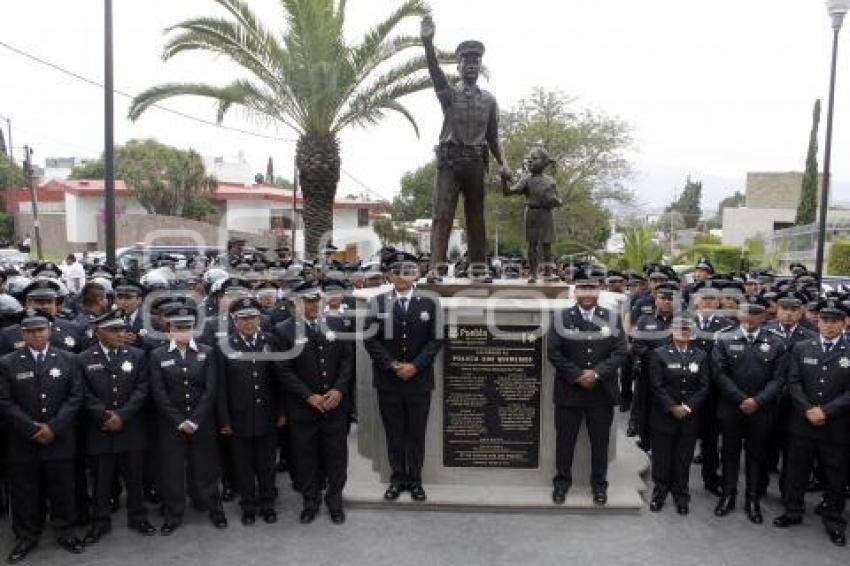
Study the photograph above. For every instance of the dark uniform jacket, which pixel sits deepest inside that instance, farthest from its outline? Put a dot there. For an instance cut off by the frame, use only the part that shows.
(714, 324)
(185, 389)
(817, 378)
(318, 362)
(52, 394)
(579, 345)
(407, 337)
(248, 397)
(120, 385)
(677, 378)
(651, 331)
(64, 335)
(799, 334)
(744, 370)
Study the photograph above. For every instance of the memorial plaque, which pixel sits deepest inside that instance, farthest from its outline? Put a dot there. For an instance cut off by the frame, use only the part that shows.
(491, 397)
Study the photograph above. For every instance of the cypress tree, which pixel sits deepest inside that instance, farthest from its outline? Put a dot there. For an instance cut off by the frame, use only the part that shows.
(808, 206)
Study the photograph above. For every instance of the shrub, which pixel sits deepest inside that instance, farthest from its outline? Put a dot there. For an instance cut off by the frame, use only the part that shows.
(839, 258)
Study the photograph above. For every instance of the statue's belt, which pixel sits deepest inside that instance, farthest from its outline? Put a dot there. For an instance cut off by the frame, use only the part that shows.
(450, 153)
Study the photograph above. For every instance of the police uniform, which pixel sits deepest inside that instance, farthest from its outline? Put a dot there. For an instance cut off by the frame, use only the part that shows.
(116, 382)
(249, 404)
(747, 365)
(405, 332)
(576, 344)
(183, 385)
(819, 376)
(677, 377)
(318, 363)
(43, 389)
(650, 332)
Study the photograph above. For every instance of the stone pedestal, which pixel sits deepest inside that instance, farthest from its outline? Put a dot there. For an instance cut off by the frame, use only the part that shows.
(488, 487)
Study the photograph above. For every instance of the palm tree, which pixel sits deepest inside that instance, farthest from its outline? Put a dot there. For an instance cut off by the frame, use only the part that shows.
(308, 78)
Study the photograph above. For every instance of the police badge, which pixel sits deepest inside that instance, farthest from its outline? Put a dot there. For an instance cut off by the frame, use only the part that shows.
(330, 336)
(693, 367)
(424, 316)
(127, 366)
(844, 362)
(70, 342)
(605, 331)
(765, 348)
(55, 372)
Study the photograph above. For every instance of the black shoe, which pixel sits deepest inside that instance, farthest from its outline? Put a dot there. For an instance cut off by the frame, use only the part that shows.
(725, 506)
(631, 430)
(600, 497)
(837, 537)
(227, 494)
(698, 459)
(95, 534)
(72, 545)
(143, 528)
(248, 518)
(785, 521)
(168, 527)
(269, 516)
(656, 505)
(21, 550)
(820, 508)
(218, 520)
(337, 516)
(559, 495)
(392, 493)
(753, 509)
(308, 515)
(682, 509)
(417, 493)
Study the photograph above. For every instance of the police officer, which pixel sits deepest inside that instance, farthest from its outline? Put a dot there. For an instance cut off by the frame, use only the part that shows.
(587, 347)
(315, 374)
(43, 294)
(40, 395)
(819, 383)
(748, 364)
(678, 375)
(183, 377)
(116, 384)
(250, 408)
(650, 332)
(129, 296)
(403, 347)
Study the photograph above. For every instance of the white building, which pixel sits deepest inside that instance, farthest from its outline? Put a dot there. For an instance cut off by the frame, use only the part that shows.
(59, 168)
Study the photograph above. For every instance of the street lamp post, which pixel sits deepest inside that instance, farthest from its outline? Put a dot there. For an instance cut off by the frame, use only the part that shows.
(109, 144)
(837, 10)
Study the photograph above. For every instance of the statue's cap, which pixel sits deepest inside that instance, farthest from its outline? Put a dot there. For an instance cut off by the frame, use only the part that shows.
(470, 47)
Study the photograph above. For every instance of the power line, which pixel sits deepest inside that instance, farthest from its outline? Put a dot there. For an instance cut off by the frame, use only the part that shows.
(363, 185)
(93, 82)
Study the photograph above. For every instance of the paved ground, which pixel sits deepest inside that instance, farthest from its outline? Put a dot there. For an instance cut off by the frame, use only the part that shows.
(409, 538)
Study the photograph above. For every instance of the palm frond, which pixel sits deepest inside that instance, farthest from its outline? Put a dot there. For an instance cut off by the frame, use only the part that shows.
(369, 108)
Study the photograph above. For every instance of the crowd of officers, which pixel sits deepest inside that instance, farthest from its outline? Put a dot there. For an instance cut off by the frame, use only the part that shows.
(160, 387)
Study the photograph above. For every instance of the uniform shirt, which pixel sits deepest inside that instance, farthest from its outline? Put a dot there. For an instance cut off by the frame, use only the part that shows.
(470, 115)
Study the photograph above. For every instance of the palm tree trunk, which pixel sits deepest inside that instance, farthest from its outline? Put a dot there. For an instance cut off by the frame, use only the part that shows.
(318, 160)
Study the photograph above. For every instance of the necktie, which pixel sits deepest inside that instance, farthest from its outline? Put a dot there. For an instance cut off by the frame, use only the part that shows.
(403, 304)
(828, 346)
(314, 326)
(704, 324)
(39, 359)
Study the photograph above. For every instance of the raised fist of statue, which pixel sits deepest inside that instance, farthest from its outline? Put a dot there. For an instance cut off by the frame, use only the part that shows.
(428, 28)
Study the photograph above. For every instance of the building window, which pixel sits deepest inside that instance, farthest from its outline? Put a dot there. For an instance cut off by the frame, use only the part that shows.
(362, 217)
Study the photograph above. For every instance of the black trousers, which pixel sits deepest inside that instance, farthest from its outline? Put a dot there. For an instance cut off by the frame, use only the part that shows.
(642, 404)
(709, 437)
(128, 466)
(254, 460)
(405, 418)
(228, 461)
(738, 430)
(452, 180)
(672, 453)
(151, 470)
(627, 380)
(321, 446)
(82, 465)
(194, 458)
(36, 485)
(567, 424)
(833, 457)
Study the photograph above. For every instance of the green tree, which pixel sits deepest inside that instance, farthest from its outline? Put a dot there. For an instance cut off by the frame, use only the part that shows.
(807, 209)
(688, 205)
(310, 77)
(3, 152)
(282, 182)
(389, 233)
(640, 248)
(591, 170)
(416, 198)
(734, 201)
(163, 179)
(11, 176)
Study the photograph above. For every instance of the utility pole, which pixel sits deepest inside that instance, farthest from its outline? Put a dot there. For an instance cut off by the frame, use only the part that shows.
(109, 145)
(33, 200)
(11, 147)
(294, 192)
